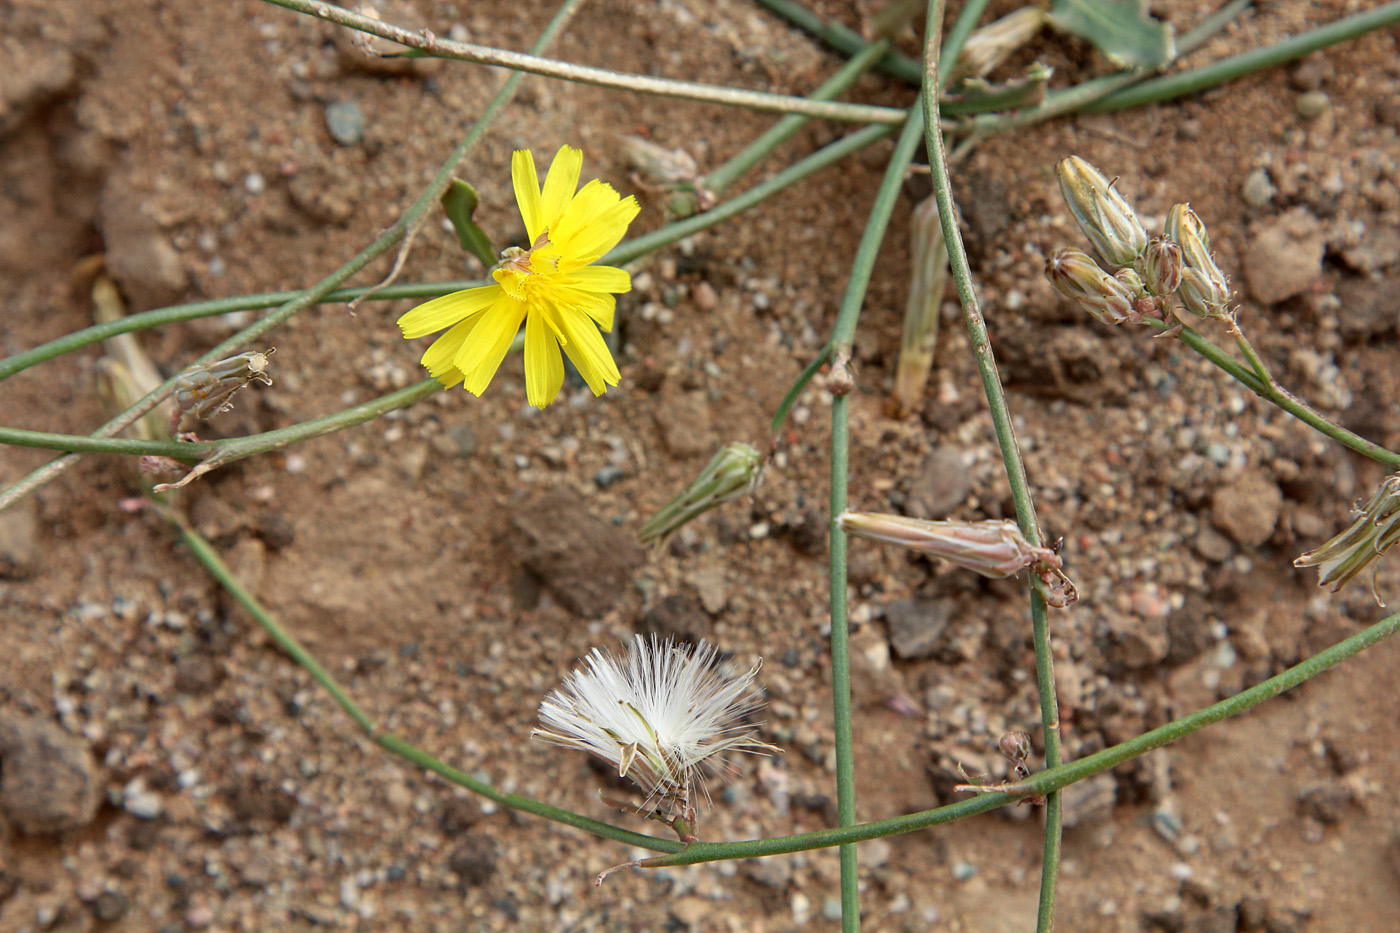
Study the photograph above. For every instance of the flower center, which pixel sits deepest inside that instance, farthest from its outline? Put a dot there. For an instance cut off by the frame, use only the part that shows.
(517, 266)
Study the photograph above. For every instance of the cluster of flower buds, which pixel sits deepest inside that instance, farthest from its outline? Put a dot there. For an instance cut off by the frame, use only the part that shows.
(1145, 273)
(1375, 531)
(729, 474)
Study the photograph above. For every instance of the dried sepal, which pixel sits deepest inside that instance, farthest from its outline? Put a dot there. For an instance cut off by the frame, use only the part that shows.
(204, 391)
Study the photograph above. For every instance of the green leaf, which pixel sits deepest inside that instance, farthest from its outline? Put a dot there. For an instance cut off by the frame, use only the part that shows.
(1120, 29)
(460, 201)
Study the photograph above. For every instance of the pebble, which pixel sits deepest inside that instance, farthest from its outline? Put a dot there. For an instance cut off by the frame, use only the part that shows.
(964, 871)
(1257, 190)
(917, 626)
(582, 560)
(346, 122)
(1284, 257)
(19, 526)
(255, 183)
(50, 782)
(1312, 104)
(831, 909)
(1247, 509)
(607, 476)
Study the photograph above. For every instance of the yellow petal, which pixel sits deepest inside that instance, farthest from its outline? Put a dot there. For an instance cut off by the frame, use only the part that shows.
(447, 310)
(544, 367)
(527, 191)
(588, 351)
(598, 279)
(481, 356)
(598, 305)
(438, 357)
(559, 185)
(602, 233)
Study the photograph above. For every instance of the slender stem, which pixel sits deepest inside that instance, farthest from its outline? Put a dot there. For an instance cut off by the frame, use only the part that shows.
(207, 556)
(842, 39)
(730, 172)
(1251, 355)
(1051, 779)
(624, 252)
(1010, 455)
(795, 390)
(429, 44)
(408, 221)
(1236, 66)
(1273, 392)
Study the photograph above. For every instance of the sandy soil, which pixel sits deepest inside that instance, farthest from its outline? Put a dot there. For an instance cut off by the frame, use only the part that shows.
(183, 774)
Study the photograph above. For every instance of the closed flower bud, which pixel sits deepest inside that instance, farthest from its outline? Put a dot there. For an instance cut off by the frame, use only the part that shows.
(729, 474)
(1375, 531)
(1162, 267)
(1015, 746)
(1106, 218)
(1075, 275)
(994, 548)
(1204, 290)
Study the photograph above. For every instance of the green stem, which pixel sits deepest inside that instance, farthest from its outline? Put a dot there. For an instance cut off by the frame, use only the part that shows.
(430, 44)
(1237, 66)
(1051, 779)
(207, 556)
(229, 449)
(624, 252)
(1273, 392)
(795, 390)
(844, 40)
(408, 221)
(730, 172)
(1010, 455)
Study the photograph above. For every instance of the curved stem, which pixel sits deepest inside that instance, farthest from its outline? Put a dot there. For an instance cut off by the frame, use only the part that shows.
(1010, 455)
(1273, 392)
(1051, 779)
(407, 221)
(429, 44)
(207, 556)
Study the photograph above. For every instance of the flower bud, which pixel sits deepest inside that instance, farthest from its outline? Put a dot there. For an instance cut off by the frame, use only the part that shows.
(929, 259)
(1162, 266)
(729, 474)
(1204, 290)
(1375, 530)
(1106, 218)
(1075, 275)
(994, 548)
(1015, 746)
(989, 46)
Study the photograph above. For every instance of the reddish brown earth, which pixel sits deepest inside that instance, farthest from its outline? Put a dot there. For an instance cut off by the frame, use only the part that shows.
(164, 767)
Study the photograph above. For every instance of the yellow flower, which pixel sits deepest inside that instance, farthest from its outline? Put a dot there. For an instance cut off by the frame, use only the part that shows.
(551, 287)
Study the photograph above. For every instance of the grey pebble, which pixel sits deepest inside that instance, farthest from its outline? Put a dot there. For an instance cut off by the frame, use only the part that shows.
(346, 122)
(831, 909)
(963, 871)
(607, 476)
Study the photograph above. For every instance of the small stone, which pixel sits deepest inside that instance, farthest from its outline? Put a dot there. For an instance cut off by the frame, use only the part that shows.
(144, 804)
(942, 483)
(458, 441)
(110, 906)
(49, 781)
(772, 873)
(1090, 801)
(684, 421)
(917, 626)
(138, 254)
(676, 616)
(255, 183)
(19, 529)
(1388, 110)
(1312, 104)
(1326, 803)
(197, 674)
(1257, 190)
(608, 476)
(322, 194)
(1284, 257)
(1213, 546)
(712, 589)
(831, 909)
(1247, 509)
(473, 861)
(1222, 919)
(346, 122)
(964, 871)
(585, 562)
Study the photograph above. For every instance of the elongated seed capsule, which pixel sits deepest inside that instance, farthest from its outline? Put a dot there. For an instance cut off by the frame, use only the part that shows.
(930, 272)
(994, 548)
